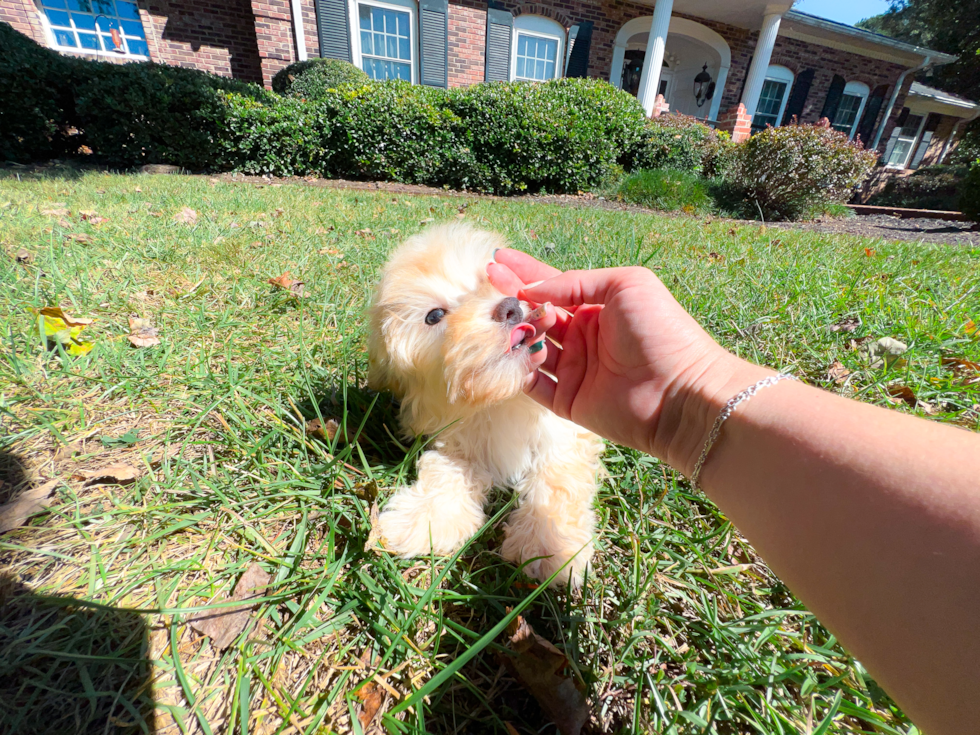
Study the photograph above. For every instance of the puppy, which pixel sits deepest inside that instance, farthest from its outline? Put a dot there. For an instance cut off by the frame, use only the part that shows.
(453, 350)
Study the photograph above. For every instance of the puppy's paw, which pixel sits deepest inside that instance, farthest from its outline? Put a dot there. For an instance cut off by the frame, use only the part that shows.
(547, 559)
(413, 527)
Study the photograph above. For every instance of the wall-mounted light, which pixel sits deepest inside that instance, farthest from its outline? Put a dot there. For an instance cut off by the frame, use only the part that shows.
(704, 88)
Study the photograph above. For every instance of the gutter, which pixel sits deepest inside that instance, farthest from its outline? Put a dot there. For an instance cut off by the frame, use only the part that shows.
(298, 32)
(891, 102)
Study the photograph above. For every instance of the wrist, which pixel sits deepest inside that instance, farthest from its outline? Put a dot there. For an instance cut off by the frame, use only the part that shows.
(692, 403)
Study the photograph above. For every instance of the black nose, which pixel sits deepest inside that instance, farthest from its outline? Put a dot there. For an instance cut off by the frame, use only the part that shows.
(509, 312)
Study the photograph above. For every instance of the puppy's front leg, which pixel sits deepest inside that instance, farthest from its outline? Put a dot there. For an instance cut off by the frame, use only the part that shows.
(555, 520)
(445, 505)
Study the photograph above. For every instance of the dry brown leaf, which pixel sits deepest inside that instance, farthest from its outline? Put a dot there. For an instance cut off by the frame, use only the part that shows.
(68, 451)
(966, 369)
(330, 251)
(142, 333)
(365, 233)
(286, 282)
(14, 513)
(92, 217)
(278, 212)
(23, 256)
(716, 257)
(837, 372)
(56, 211)
(846, 324)
(511, 730)
(186, 216)
(372, 697)
(902, 393)
(114, 474)
(325, 430)
(70, 321)
(224, 624)
(375, 541)
(540, 667)
(80, 237)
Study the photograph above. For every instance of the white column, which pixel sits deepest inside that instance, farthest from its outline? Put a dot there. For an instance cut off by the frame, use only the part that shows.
(719, 93)
(653, 61)
(298, 31)
(618, 60)
(760, 62)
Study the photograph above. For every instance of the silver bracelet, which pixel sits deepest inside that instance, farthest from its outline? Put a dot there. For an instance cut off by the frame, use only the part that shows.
(727, 411)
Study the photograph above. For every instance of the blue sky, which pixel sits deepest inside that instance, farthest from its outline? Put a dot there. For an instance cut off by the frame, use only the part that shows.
(843, 11)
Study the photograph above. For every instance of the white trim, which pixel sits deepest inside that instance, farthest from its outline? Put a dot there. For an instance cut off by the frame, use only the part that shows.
(537, 26)
(52, 39)
(413, 23)
(777, 73)
(298, 30)
(856, 89)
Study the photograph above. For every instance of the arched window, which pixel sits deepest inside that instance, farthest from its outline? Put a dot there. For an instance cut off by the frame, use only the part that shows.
(385, 39)
(538, 49)
(773, 98)
(850, 109)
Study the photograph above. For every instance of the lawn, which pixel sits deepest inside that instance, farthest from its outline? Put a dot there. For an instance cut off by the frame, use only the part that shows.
(682, 628)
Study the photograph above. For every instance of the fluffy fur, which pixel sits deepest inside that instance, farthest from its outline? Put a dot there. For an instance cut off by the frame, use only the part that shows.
(461, 381)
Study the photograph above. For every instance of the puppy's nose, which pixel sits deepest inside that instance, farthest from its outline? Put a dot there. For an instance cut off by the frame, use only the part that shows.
(509, 312)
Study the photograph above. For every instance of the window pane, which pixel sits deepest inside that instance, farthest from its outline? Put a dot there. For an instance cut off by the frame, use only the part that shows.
(83, 21)
(133, 28)
(58, 18)
(127, 10)
(402, 71)
(60, 4)
(536, 57)
(900, 152)
(911, 127)
(404, 52)
(88, 40)
(364, 13)
(139, 48)
(367, 47)
(520, 67)
(83, 6)
(847, 113)
(65, 38)
(103, 6)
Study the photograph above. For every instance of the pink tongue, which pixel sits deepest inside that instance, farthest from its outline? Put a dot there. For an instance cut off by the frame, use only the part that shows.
(518, 333)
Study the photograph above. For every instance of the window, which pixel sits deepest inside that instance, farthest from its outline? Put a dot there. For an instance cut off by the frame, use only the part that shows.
(903, 141)
(384, 41)
(538, 44)
(850, 109)
(773, 97)
(96, 26)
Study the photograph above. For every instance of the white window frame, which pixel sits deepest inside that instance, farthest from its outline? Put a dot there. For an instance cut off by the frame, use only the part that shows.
(52, 39)
(777, 73)
(413, 25)
(856, 89)
(897, 135)
(539, 27)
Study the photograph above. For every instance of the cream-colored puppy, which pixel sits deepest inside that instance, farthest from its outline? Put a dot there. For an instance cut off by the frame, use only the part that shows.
(452, 349)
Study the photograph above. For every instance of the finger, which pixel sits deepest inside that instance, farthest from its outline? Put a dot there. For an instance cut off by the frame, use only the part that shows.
(552, 354)
(538, 352)
(504, 279)
(541, 388)
(575, 357)
(542, 319)
(574, 288)
(528, 269)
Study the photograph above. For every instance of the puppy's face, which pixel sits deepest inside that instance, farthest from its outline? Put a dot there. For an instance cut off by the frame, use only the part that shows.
(440, 334)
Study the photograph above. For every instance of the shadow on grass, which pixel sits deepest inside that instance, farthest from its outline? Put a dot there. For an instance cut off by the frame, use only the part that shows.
(70, 169)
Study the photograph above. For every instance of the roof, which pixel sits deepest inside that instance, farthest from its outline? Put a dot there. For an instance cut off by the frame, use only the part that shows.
(867, 37)
(921, 90)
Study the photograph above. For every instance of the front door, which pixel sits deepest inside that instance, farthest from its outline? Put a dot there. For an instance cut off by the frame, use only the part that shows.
(632, 69)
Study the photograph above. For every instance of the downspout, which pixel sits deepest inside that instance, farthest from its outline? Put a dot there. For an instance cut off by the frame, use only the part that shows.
(298, 30)
(952, 134)
(891, 102)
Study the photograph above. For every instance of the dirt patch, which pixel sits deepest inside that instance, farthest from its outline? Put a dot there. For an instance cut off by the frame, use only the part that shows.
(895, 228)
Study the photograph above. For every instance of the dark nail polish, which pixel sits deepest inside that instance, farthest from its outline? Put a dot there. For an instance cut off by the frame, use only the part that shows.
(536, 347)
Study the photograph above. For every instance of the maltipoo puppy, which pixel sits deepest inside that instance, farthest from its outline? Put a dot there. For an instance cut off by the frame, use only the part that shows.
(454, 350)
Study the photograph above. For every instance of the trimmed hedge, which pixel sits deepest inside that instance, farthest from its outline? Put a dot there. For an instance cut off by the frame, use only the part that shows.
(312, 78)
(970, 193)
(680, 143)
(932, 187)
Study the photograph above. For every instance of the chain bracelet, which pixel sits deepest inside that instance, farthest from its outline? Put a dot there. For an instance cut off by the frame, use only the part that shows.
(727, 411)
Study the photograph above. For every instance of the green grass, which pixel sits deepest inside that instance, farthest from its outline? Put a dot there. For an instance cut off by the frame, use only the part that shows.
(669, 191)
(682, 628)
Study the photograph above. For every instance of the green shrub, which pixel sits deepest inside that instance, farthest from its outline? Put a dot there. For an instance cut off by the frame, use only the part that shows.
(311, 79)
(36, 104)
(142, 113)
(934, 187)
(668, 190)
(970, 193)
(794, 171)
(678, 142)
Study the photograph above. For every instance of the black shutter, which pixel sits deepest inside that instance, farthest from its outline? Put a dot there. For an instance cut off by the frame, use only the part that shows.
(500, 29)
(866, 128)
(902, 117)
(434, 42)
(578, 60)
(333, 28)
(797, 98)
(834, 96)
(932, 123)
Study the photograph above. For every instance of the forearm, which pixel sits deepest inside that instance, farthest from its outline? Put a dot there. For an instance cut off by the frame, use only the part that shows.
(873, 519)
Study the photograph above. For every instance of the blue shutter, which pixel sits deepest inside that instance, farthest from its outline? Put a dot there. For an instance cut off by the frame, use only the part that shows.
(500, 30)
(333, 28)
(434, 42)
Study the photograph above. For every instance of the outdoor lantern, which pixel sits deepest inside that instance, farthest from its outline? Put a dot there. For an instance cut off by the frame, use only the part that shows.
(703, 87)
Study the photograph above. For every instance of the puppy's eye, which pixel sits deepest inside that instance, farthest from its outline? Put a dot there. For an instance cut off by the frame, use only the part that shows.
(435, 316)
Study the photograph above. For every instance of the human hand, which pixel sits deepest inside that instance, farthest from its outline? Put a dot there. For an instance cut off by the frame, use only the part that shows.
(633, 365)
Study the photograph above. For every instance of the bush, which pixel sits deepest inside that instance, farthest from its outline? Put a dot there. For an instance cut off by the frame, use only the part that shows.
(795, 171)
(36, 104)
(678, 142)
(970, 193)
(934, 187)
(311, 79)
(667, 190)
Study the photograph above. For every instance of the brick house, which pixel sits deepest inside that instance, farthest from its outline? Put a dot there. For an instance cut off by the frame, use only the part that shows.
(738, 65)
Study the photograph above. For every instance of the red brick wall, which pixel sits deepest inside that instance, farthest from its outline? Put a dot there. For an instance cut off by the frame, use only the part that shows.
(23, 16)
(310, 28)
(467, 43)
(274, 34)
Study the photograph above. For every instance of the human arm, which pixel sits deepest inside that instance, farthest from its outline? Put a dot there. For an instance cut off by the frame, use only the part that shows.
(871, 517)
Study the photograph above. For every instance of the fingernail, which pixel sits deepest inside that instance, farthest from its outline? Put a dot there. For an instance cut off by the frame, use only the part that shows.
(536, 314)
(536, 347)
(493, 257)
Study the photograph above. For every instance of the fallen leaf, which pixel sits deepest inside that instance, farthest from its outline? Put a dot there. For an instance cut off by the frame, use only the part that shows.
(114, 474)
(837, 372)
(56, 327)
(885, 352)
(224, 624)
(846, 324)
(511, 730)
(532, 234)
(286, 283)
(966, 369)
(902, 393)
(56, 211)
(375, 541)
(372, 697)
(324, 430)
(971, 329)
(23, 256)
(733, 232)
(186, 216)
(540, 667)
(365, 233)
(869, 253)
(14, 513)
(67, 452)
(427, 220)
(79, 237)
(142, 333)
(92, 217)
(138, 190)
(716, 257)
(278, 212)
(330, 251)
